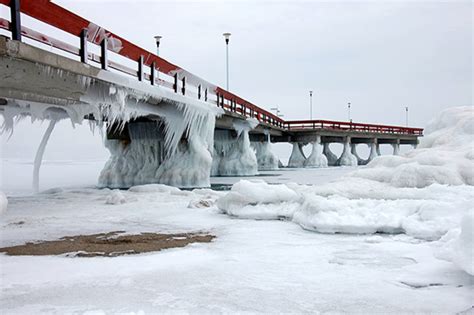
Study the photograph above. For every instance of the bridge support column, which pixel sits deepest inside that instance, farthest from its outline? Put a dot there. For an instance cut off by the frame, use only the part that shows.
(373, 150)
(234, 156)
(139, 157)
(360, 161)
(347, 158)
(297, 157)
(396, 147)
(331, 157)
(266, 159)
(377, 148)
(317, 158)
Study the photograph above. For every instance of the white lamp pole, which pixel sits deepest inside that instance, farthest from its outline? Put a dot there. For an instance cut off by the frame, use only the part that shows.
(311, 105)
(349, 111)
(227, 37)
(157, 39)
(406, 118)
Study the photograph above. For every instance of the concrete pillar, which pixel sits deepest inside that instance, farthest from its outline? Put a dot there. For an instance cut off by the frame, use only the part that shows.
(238, 158)
(297, 157)
(317, 158)
(373, 151)
(360, 161)
(347, 158)
(266, 159)
(377, 148)
(396, 147)
(331, 157)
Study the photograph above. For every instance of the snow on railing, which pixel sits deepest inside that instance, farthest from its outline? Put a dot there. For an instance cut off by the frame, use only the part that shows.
(182, 81)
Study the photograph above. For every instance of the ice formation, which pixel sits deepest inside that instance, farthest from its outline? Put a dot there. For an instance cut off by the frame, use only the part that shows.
(457, 245)
(373, 152)
(3, 202)
(266, 159)
(317, 158)
(235, 157)
(360, 161)
(182, 117)
(297, 157)
(396, 148)
(425, 193)
(115, 198)
(331, 157)
(347, 158)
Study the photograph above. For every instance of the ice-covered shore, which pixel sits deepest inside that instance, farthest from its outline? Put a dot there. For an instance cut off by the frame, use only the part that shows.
(425, 193)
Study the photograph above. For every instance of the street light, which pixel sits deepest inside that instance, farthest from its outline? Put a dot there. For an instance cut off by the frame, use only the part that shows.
(227, 37)
(311, 105)
(157, 39)
(349, 111)
(406, 118)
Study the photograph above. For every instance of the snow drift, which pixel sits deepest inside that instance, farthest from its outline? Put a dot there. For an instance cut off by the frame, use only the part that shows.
(424, 193)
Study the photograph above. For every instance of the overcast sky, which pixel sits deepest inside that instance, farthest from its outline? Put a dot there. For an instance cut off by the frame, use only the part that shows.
(380, 56)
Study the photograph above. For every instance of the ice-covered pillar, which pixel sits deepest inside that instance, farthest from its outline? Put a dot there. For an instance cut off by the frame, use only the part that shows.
(331, 157)
(360, 161)
(373, 151)
(377, 148)
(297, 157)
(266, 159)
(317, 158)
(238, 157)
(347, 158)
(396, 147)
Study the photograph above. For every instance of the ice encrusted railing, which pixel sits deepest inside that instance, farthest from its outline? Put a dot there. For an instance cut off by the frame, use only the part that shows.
(141, 64)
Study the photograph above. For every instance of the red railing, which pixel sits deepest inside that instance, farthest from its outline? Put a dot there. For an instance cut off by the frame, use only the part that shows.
(350, 126)
(182, 81)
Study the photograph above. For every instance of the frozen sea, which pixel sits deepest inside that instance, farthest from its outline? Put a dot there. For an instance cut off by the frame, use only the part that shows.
(253, 266)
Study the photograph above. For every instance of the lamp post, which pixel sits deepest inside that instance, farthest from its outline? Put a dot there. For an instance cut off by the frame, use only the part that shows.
(227, 37)
(311, 105)
(349, 111)
(406, 115)
(157, 39)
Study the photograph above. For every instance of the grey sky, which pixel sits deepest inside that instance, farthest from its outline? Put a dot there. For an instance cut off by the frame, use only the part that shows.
(380, 56)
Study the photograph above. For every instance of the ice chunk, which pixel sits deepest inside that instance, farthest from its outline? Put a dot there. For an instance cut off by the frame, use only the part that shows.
(115, 198)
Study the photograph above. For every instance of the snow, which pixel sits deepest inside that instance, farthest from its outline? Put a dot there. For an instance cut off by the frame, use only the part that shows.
(317, 158)
(3, 203)
(297, 157)
(115, 198)
(252, 266)
(457, 245)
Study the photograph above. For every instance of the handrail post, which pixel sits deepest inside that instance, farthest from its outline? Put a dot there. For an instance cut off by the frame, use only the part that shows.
(140, 68)
(205, 95)
(183, 88)
(83, 50)
(199, 91)
(104, 60)
(175, 85)
(15, 25)
(152, 73)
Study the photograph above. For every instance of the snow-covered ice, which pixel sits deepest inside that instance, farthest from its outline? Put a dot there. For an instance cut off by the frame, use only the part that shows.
(3, 203)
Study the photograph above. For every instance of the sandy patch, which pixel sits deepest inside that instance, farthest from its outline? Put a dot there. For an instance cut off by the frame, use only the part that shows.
(107, 244)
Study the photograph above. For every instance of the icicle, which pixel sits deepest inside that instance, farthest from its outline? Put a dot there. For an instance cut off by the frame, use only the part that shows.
(39, 154)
